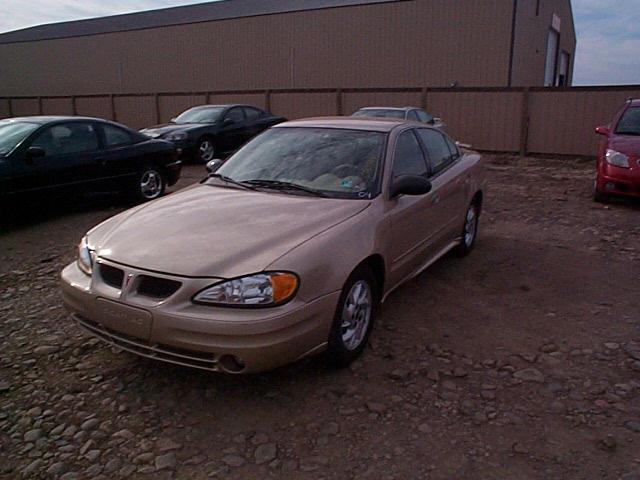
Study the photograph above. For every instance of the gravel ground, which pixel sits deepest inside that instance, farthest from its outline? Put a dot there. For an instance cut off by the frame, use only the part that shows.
(521, 361)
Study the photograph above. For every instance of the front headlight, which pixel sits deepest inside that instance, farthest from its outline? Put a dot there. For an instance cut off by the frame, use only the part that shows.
(616, 158)
(176, 137)
(85, 257)
(268, 289)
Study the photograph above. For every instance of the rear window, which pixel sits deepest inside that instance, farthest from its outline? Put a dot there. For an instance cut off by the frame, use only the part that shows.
(629, 124)
(380, 112)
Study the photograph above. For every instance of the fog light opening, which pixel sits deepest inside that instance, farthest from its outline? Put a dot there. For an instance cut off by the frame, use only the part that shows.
(231, 364)
(610, 186)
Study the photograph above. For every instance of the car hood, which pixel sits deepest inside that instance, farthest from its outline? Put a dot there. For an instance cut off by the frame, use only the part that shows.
(159, 130)
(627, 144)
(211, 231)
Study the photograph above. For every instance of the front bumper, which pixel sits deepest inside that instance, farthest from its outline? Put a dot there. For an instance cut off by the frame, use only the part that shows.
(614, 180)
(175, 330)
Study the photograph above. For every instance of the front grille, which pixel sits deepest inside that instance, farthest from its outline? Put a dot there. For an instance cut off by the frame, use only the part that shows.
(157, 287)
(187, 358)
(112, 276)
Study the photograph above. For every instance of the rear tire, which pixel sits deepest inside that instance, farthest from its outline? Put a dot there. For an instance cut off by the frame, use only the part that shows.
(354, 318)
(469, 230)
(150, 184)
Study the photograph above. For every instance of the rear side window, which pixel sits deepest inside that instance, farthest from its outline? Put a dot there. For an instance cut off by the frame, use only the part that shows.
(424, 116)
(440, 156)
(115, 137)
(76, 137)
(453, 148)
(408, 158)
(252, 113)
(236, 115)
(412, 115)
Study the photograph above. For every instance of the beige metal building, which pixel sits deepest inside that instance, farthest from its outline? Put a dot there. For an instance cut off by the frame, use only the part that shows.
(278, 44)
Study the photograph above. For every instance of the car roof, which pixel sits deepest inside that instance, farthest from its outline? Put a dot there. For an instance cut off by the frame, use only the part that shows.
(376, 124)
(43, 120)
(228, 105)
(391, 108)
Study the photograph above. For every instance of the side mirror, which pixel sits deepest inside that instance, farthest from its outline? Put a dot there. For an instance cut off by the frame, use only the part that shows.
(213, 165)
(226, 122)
(35, 152)
(410, 185)
(603, 130)
(173, 120)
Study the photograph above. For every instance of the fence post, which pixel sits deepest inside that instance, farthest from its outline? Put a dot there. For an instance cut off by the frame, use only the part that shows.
(74, 107)
(339, 101)
(112, 104)
(207, 98)
(267, 100)
(524, 123)
(157, 101)
(425, 94)
(10, 106)
(40, 110)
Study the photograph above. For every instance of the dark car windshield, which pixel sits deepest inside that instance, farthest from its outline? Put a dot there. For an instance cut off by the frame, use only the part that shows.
(629, 124)
(199, 115)
(12, 133)
(380, 112)
(336, 162)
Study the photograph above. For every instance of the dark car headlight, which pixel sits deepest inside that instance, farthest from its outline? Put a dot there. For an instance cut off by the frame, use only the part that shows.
(177, 137)
(267, 289)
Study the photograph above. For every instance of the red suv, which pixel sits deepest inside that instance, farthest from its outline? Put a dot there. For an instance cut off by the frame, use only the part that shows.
(619, 155)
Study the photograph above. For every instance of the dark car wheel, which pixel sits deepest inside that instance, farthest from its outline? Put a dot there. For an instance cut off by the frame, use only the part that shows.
(599, 196)
(205, 150)
(469, 230)
(150, 185)
(353, 320)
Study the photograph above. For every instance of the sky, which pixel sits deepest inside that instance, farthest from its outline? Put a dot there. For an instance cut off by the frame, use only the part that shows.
(608, 30)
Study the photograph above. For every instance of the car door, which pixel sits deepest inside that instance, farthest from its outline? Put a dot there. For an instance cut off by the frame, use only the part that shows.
(413, 218)
(6, 185)
(256, 120)
(447, 176)
(68, 159)
(118, 157)
(233, 132)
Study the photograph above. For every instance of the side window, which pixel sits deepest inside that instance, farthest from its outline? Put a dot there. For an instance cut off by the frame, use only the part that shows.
(408, 157)
(115, 137)
(68, 138)
(412, 115)
(453, 148)
(236, 115)
(437, 149)
(252, 113)
(424, 116)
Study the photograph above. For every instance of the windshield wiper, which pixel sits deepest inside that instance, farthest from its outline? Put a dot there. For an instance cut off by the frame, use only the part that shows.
(280, 185)
(230, 180)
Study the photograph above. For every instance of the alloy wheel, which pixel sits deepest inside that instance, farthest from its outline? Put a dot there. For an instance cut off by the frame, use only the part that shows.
(356, 315)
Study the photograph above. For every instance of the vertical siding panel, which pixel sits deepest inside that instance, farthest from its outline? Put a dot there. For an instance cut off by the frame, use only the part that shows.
(299, 105)
(24, 107)
(173, 105)
(136, 111)
(99, 107)
(57, 106)
(4, 108)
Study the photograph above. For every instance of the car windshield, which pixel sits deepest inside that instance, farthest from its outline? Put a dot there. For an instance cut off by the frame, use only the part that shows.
(629, 124)
(12, 133)
(380, 112)
(199, 115)
(333, 162)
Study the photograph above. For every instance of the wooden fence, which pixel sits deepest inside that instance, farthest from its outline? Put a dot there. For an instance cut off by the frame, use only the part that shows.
(554, 121)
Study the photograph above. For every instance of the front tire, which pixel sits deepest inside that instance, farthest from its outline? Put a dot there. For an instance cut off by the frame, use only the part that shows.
(470, 229)
(150, 185)
(205, 151)
(354, 318)
(599, 196)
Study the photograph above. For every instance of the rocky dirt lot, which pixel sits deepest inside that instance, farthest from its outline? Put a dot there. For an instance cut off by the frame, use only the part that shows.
(521, 361)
